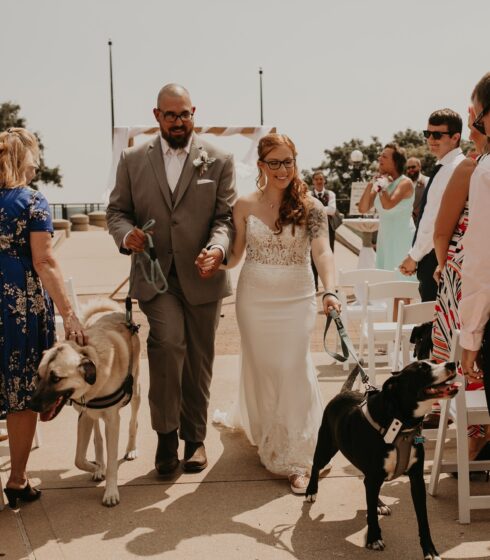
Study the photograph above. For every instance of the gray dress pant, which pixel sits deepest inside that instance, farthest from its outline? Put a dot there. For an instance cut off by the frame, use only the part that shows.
(180, 354)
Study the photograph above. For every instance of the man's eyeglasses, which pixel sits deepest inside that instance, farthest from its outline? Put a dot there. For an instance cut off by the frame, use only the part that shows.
(171, 117)
(436, 134)
(275, 164)
(478, 124)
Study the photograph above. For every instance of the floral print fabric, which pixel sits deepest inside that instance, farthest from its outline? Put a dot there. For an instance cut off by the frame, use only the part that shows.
(26, 310)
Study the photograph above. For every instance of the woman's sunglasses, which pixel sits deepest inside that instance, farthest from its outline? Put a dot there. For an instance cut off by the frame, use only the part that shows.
(478, 124)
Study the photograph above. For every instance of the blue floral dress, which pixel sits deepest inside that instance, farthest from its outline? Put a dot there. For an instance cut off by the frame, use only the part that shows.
(26, 311)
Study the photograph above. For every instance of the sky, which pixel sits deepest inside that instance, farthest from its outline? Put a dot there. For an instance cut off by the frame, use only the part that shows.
(333, 70)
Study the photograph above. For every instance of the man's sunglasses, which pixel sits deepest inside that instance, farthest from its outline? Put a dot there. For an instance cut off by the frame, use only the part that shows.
(478, 124)
(436, 134)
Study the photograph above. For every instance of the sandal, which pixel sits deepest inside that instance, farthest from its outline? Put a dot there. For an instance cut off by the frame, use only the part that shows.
(299, 483)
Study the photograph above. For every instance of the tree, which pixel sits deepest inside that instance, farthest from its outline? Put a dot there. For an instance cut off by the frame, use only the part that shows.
(9, 117)
(340, 172)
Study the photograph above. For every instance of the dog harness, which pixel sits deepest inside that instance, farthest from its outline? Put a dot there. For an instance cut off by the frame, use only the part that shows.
(402, 439)
(125, 391)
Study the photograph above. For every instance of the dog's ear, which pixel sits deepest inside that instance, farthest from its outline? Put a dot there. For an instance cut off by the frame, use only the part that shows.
(89, 371)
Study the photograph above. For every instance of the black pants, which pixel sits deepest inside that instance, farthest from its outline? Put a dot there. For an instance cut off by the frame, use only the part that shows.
(425, 274)
(485, 351)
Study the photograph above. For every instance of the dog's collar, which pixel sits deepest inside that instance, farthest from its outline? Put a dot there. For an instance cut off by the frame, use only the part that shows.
(126, 390)
(391, 432)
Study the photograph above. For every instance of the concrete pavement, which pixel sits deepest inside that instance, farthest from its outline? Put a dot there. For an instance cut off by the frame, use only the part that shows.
(233, 510)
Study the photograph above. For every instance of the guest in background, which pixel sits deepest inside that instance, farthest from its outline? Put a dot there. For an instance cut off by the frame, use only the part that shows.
(449, 230)
(413, 172)
(443, 137)
(475, 276)
(27, 269)
(328, 199)
(391, 192)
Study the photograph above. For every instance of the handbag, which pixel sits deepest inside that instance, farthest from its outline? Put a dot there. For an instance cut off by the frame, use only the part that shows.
(335, 221)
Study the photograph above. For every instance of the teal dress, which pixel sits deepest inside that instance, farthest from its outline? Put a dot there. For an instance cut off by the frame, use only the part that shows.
(395, 233)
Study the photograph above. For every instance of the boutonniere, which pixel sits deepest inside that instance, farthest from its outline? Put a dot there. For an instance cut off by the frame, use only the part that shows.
(203, 161)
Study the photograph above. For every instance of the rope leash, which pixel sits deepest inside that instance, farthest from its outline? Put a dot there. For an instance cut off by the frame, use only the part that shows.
(346, 346)
(155, 277)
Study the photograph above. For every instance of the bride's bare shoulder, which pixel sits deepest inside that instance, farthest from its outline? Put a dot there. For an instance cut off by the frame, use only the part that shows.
(245, 204)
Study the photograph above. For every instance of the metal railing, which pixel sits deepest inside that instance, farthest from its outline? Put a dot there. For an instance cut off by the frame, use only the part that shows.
(61, 210)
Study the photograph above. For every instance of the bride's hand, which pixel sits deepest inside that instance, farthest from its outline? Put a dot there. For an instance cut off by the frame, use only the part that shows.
(331, 302)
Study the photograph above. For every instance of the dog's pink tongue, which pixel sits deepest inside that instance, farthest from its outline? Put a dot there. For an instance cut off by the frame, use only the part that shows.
(50, 414)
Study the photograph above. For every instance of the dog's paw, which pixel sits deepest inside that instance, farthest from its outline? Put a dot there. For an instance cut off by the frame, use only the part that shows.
(111, 497)
(131, 454)
(432, 556)
(376, 545)
(383, 509)
(99, 473)
(310, 498)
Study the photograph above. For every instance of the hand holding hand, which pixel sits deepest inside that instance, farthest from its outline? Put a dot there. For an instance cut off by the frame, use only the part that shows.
(74, 330)
(208, 262)
(408, 266)
(135, 241)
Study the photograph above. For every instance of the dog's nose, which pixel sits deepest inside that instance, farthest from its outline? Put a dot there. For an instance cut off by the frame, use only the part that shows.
(451, 366)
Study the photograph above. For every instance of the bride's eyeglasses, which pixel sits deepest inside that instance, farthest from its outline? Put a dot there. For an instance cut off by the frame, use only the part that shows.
(275, 164)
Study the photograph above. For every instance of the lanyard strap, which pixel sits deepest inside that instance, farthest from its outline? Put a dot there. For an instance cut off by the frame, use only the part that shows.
(345, 344)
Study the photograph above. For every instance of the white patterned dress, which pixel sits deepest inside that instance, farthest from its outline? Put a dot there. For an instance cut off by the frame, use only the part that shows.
(280, 405)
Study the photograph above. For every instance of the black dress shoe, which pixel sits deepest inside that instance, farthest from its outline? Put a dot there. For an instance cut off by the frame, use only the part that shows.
(195, 459)
(166, 458)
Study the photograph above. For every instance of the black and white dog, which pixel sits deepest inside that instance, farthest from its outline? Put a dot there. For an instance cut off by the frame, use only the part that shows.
(380, 435)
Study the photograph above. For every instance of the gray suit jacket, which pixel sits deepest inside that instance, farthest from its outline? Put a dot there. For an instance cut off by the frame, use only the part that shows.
(200, 216)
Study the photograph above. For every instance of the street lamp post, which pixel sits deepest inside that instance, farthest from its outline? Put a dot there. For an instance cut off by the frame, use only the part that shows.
(261, 100)
(112, 89)
(356, 158)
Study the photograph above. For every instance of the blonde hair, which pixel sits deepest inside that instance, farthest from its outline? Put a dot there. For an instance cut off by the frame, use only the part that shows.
(15, 143)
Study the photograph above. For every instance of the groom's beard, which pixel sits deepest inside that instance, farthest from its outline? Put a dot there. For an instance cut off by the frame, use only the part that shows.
(176, 142)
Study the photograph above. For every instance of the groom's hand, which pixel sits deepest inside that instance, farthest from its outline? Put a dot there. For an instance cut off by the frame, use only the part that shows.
(135, 240)
(208, 262)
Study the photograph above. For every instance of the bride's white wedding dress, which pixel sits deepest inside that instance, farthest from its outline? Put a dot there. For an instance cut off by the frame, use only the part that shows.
(280, 405)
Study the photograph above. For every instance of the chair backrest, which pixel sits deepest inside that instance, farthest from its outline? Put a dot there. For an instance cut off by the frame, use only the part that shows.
(411, 314)
(361, 275)
(416, 313)
(391, 290)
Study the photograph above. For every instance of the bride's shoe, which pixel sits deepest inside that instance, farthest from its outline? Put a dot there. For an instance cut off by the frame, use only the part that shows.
(299, 482)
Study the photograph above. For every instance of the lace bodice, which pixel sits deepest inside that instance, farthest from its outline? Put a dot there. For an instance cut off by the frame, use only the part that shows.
(266, 247)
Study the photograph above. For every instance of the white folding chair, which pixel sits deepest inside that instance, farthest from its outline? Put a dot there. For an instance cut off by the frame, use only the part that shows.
(470, 408)
(353, 311)
(383, 332)
(72, 296)
(409, 316)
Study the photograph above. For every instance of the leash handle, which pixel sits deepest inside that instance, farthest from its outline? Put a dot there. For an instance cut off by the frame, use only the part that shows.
(345, 344)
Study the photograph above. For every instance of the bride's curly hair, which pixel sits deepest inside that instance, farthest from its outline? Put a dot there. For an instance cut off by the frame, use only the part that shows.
(295, 203)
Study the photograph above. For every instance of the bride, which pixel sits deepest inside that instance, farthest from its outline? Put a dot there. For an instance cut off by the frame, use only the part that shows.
(280, 405)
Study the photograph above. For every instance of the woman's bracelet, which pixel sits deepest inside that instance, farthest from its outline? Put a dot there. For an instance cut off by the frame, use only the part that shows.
(325, 294)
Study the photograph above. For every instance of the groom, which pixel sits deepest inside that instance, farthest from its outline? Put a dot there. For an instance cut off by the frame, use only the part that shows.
(188, 187)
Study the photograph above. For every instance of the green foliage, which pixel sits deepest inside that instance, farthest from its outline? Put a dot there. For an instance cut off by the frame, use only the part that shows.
(340, 172)
(9, 117)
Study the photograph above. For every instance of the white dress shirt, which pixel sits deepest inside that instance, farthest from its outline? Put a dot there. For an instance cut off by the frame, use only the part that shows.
(332, 204)
(474, 308)
(425, 235)
(174, 161)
